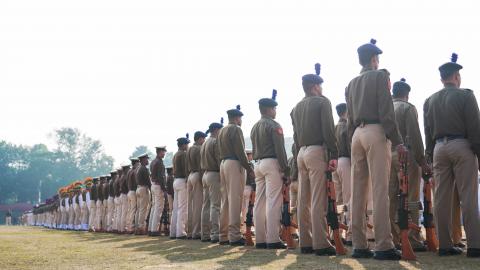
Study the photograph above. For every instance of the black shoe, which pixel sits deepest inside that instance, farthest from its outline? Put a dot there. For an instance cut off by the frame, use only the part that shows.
(459, 245)
(398, 247)
(277, 245)
(348, 243)
(362, 253)
(473, 252)
(240, 242)
(420, 249)
(182, 237)
(391, 254)
(329, 251)
(261, 245)
(449, 251)
(223, 243)
(196, 238)
(206, 240)
(173, 237)
(188, 237)
(214, 241)
(306, 250)
(154, 234)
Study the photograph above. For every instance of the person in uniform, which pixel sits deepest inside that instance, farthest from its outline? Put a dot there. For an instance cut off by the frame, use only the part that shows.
(70, 207)
(8, 218)
(270, 172)
(99, 208)
(314, 135)
(372, 127)
(63, 208)
(123, 200)
(452, 136)
(117, 214)
(247, 191)
(111, 201)
(157, 170)
(407, 121)
(169, 186)
(232, 178)
(93, 205)
(292, 164)
(142, 176)
(83, 205)
(132, 198)
(194, 187)
(179, 213)
(88, 182)
(106, 192)
(342, 177)
(210, 165)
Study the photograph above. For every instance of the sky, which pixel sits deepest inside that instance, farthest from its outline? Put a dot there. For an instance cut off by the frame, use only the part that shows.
(135, 73)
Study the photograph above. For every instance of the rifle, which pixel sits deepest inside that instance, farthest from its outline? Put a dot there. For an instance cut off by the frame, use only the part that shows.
(432, 242)
(165, 220)
(249, 220)
(286, 219)
(332, 215)
(403, 213)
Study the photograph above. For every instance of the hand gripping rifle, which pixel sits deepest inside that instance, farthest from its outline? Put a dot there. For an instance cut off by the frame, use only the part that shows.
(286, 218)
(332, 215)
(404, 222)
(249, 220)
(432, 242)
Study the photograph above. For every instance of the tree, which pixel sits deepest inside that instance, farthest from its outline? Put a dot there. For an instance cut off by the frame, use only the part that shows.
(142, 149)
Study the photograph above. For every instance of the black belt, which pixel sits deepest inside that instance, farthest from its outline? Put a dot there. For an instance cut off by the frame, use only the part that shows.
(212, 170)
(368, 122)
(449, 138)
(266, 157)
(230, 158)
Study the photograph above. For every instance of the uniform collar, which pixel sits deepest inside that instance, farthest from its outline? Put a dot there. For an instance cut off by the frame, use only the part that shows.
(365, 69)
(266, 117)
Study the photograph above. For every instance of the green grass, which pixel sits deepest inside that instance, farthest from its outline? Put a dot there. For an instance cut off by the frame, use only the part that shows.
(38, 248)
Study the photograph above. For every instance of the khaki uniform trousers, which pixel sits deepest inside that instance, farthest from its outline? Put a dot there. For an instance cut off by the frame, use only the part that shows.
(92, 214)
(143, 206)
(78, 216)
(267, 210)
(211, 205)
(83, 215)
(247, 191)
(111, 214)
(179, 214)
(343, 187)
(312, 193)
(105, 214)
(232, 183)
(456, 218)
(371, 158)
(158, 202)
(71, 217)
(122, 218)
(98, 219)
(195, 200)
(8, 221)
(170, 207)
(413, 198)
(455, 165)
(132, 206)
(62, 217)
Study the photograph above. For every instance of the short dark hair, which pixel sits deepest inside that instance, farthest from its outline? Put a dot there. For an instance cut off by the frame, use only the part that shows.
(365, 59)
(400, 92)
(445, 75)
(341, 109)
(307, 86)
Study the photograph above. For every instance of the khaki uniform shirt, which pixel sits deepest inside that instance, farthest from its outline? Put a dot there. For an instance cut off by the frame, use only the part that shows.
(123, 182)
(268, 142)
(157, 170)
(131, 180)
(407, 121)
(111, 190)
(232, 145)
(179, 164)
(143, 176)
(313, 124)
(343, 141)
(369, 101)
(116, 185)
(210, 155)
(452, 112)
(193, 158)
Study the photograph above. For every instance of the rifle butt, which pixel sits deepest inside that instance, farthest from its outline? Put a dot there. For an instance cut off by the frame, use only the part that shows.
(432, 242)
(339, 248)
(248, 237)
(407, 251)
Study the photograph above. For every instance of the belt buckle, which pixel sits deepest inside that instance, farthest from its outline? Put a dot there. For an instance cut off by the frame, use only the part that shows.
(445, 139)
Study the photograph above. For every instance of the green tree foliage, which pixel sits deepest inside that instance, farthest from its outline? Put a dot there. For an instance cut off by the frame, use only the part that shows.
(30, 173)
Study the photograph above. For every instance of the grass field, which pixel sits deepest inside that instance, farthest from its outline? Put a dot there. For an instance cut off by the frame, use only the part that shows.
(38, 248)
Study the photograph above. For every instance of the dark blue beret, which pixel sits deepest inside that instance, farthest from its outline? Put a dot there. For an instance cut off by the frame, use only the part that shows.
(369, 49)
(269, 102)
(199, 135)
(312, 78)
(400, 86)
(214, 126)
(182, 141)
(450, 67)
(341, 108)
(235, 112)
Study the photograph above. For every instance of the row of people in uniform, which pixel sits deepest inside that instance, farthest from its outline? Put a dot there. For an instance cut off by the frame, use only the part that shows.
(365, 149)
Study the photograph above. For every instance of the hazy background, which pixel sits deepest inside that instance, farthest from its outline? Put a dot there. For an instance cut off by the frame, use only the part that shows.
(130, 73)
